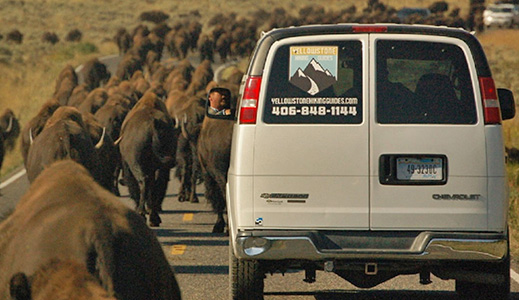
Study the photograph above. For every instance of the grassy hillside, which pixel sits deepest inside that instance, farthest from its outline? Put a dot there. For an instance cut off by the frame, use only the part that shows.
(30, 68)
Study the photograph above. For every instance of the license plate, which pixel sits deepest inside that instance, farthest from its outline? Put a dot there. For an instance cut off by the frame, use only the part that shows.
(411, 168)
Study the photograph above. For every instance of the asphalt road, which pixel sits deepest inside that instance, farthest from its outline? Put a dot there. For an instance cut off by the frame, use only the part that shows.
(200, 259)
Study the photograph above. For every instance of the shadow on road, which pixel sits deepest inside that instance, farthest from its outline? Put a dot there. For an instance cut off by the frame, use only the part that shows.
(204, 243)
(172, 233)
(206, 269)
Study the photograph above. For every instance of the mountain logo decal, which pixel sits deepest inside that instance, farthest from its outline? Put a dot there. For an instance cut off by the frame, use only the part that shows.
(313, 68)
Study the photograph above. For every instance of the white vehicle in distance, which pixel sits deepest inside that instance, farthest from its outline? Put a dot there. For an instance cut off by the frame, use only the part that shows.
(501, 15)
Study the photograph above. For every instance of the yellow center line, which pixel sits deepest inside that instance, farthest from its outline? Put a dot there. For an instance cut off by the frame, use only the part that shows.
(178, 249)
(187, 217)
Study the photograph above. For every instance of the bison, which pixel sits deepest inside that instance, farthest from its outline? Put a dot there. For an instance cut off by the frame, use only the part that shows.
(188, 111)
(9, 132)
(202, 75)
(106, 151)
(94, 73)
(64, 136)
(148, 144)
(129, 64)
(67, 72)
(214, 152)
(66, 215)
(35, 126)
(123, 40)
(10, 127)
(93, 101)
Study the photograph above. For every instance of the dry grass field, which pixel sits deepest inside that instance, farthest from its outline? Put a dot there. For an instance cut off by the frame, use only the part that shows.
(29, 69)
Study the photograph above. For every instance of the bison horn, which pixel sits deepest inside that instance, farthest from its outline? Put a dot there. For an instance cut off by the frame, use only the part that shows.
(10, 126)
(118, 140)
(30, 136)
(100, 143)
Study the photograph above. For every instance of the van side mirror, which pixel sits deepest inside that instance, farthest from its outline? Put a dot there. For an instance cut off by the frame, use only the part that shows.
(222, 104)
(506, 102)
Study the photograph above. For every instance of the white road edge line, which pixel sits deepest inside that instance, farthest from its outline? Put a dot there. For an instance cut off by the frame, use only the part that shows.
(514, 275)
(12, 179)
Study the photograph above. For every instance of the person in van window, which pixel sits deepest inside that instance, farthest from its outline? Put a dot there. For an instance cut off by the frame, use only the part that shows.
(219, 102)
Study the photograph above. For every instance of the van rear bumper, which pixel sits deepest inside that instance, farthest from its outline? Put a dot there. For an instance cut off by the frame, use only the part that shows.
(371, 245)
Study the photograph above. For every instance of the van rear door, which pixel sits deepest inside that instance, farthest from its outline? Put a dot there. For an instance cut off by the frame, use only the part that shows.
(427, 140)
(311, 156)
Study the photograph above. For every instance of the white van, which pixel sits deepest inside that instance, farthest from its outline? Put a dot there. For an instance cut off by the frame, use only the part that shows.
(370, 151)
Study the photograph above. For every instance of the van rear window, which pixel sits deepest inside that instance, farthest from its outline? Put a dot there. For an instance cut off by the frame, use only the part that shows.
(317, 83)
(423, 83)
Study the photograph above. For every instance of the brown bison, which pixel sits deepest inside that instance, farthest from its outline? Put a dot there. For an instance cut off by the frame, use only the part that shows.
(94, 73)
(111, 116)
(10, 128)
(35, 125)
(9, 132)
(65, 83)
(206, 47)
(129, 64)
(66, 215)
(65, 90)
(188, 112)
(106, 151)
(123, 40)
(214, 150)
(78, 95)
(148, 144)
(93, 101)
(64, 136)
(177, 43)
(74, 35)
(58, 280)
(202, 75)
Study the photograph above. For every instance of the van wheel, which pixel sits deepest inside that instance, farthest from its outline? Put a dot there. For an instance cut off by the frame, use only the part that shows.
(246, 279)
(501, 291)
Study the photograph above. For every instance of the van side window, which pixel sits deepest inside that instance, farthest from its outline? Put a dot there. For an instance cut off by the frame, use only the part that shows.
(315, 83)
(423, 83)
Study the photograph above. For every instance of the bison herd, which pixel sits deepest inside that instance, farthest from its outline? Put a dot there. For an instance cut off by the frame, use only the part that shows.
(95, 132)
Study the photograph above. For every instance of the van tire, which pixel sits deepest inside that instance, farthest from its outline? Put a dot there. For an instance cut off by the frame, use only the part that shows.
(472, 290)
(247, 278)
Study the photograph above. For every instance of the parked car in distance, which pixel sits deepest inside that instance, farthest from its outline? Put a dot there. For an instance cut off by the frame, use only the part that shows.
(405, 13)
(501, 15)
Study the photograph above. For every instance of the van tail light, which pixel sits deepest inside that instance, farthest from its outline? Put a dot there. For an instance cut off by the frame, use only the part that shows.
(490, 102)
(249, 102)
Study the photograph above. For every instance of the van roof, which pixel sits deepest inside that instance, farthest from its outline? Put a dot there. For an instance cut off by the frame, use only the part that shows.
(268, 38)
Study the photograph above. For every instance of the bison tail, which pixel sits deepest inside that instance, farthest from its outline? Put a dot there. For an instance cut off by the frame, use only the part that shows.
(158, 150)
